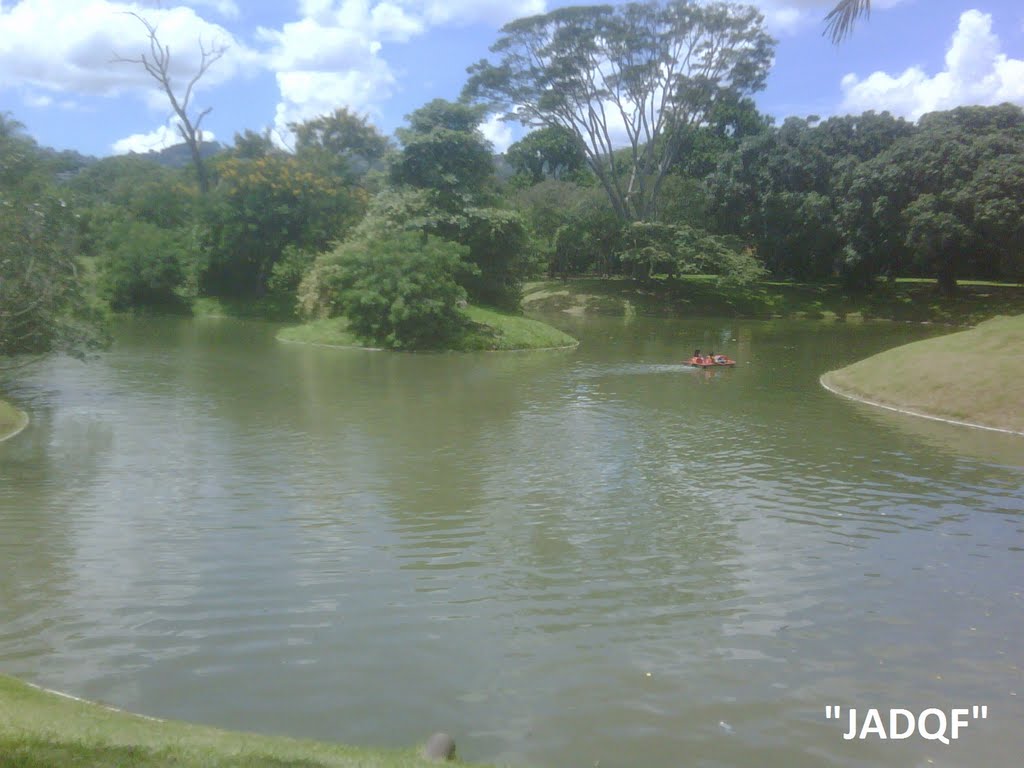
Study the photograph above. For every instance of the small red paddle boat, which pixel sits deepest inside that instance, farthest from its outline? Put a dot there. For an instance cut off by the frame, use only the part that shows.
(718, 361)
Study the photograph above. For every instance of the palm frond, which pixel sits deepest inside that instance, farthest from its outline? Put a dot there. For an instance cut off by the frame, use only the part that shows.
(841, 19)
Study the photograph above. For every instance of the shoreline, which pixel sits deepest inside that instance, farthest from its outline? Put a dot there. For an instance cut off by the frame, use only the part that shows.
(425, 351)
(50, 727)
(907, 412)
(19, 426)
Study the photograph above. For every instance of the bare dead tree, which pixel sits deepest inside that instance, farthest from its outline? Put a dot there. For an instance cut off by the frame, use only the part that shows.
(157, 64)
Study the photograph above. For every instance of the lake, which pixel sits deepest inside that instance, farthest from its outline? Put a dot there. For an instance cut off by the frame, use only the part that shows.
(559, 557)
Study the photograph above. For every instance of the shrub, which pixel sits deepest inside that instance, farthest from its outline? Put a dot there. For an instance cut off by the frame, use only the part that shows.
(396, 288)
(141, 265)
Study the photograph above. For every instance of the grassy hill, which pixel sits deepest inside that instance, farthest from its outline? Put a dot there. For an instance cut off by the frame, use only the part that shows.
(976, 376)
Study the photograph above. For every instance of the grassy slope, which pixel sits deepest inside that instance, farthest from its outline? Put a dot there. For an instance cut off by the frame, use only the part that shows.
(491, 330)
(40, 730)
(11, 419)
(333, 332)
(503, 331)
(975, 376)
(275, 308)
(911, 300)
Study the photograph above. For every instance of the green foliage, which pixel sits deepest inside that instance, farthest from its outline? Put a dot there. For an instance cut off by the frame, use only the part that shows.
(589, 238)
(448, 163)
(250, 145)
(661, 67)
(397, 289)
(289, 270)
(142, 265)
(260, 207)
(678, 249)
(498, 244)
(547, 206)
(945, 200)
(42, 305)
(547, 153)
(794, 194)
(444, 152)
(344, 143)
(138, 188)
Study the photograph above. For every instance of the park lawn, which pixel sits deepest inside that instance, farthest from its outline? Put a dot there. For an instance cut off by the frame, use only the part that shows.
(40, 730)
(489, 329)
(975, 376)
(703, 296)
(11, 419)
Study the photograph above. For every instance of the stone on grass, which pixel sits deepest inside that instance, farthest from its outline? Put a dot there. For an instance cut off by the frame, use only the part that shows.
(439, 747)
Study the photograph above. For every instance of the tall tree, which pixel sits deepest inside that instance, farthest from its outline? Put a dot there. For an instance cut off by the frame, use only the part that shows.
(639, 71)
(345, 140)
(157, 64)
(444, 152)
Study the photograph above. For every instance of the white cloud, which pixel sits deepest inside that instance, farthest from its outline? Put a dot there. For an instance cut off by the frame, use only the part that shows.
(306, 94)
(333, 55)
(465, 12)
(69, 46)
(977, 72)
(38, 100)
(498, 132)
(227, 8)
(157, 139)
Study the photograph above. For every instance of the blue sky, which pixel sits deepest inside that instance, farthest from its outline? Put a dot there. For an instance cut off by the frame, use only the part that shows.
(294, 59)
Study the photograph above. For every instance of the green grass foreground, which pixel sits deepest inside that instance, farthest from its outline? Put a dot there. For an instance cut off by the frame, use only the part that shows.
(41, 730)
(702, 296)
(12, 420)
(976, 376)
(489, 329)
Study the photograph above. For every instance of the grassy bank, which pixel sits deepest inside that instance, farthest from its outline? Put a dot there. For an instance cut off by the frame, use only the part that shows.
(11, 420)
(274, 308)
(488, 330)
(701, 296)
(41, 730)
(975, 376)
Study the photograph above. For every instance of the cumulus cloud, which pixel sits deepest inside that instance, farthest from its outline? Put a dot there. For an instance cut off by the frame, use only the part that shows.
(69, 46)
(159, 138)
(464, 12)
(306, 94)
(334, 54)
(227, 8)
(498, 132)
(977, 72)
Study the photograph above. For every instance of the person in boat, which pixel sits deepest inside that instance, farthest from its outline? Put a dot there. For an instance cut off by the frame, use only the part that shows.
(696, 354)
(709, 359)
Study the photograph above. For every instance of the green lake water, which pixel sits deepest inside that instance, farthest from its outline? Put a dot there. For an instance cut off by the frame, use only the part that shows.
(558, 557)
